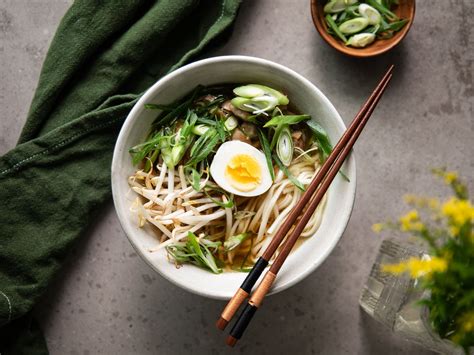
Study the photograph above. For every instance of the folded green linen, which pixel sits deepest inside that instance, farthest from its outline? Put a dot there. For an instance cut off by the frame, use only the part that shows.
(103, 56)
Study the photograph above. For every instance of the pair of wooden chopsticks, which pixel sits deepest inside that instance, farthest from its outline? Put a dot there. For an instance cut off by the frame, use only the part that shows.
(313, 196)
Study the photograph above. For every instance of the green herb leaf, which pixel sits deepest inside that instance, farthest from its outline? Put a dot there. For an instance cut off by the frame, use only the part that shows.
(286, 120)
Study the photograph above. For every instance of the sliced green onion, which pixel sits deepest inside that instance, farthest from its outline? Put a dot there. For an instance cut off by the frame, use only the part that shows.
(258, 98)
(234, 241)
(332, 25)
(267, 151)
(341, 17)
(195, 251)
(221, 130)
(202, 256)
(151, 159)
(179, 109)
(230, 200)
(179, 252)
(324, 144)
(182, 139)
(200, 129)
(350, 2)
(286, 119)
(256, 90)
(372, 29)
(231, 123)
(334, 6)
(276, 134)
(206, 121)
(353, 26)
(321, 137)
(255, 105)
(242, 267)
(371, 14)
(210, 243)
(203, 146)
(395, 26)
(361, 40)
(284, 146)
(166, 153)
(248, 91)
(177, 153)
(159, 107)
(141, 151)
(383, 10)
(195, 178)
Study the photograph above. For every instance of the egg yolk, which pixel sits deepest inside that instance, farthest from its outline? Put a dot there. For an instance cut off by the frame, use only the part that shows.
(243, 172)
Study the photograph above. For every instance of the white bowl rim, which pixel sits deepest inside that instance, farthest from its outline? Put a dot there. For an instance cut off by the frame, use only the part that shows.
(344, 217)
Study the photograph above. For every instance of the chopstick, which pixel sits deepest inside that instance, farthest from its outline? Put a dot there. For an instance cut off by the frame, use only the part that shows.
(267, 281)
(243, 292)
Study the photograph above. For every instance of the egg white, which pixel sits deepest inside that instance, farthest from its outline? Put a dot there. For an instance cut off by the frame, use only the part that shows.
(224, 155)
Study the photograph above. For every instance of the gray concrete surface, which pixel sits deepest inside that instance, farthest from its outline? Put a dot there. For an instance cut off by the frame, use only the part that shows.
(107, 301)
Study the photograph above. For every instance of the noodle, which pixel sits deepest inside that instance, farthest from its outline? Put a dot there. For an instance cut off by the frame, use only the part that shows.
(260, 153)
(175, 208)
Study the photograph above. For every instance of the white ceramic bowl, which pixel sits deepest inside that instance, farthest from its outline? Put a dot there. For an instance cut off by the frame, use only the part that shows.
(233, 69)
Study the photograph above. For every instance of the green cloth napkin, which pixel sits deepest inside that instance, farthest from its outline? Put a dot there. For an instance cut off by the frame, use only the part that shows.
(103, 56)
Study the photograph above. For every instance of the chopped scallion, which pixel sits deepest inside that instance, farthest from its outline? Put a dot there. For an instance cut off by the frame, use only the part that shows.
(284, 146)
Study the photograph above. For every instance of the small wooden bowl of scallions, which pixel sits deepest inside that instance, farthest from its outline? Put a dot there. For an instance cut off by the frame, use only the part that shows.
(363, 28)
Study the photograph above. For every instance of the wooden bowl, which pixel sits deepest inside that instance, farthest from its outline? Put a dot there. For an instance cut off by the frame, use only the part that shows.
(406, 9)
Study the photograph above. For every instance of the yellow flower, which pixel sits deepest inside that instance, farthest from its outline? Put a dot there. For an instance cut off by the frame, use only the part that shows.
(377, 227)
(410, 199)
(411, 222)
(466, 321)
(396, 269)
(417, 267)
(433, 203)
(458, 211)
(454, 231)
(421, 202)
(450, 177)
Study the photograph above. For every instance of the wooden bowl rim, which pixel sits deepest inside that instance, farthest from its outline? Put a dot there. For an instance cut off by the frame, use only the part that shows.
(355, 52)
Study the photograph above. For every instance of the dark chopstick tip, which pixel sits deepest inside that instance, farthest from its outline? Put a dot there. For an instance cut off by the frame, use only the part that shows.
(231, 341)
(221, 323)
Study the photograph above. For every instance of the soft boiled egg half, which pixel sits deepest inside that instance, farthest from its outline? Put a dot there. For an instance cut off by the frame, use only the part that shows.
(241, 169)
